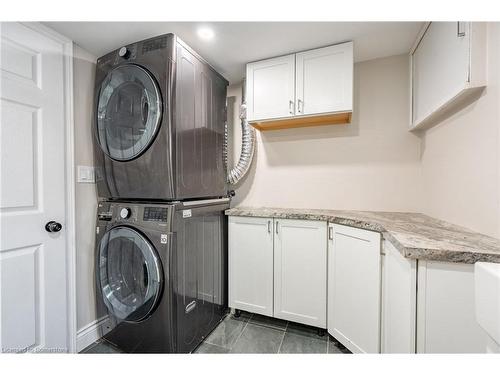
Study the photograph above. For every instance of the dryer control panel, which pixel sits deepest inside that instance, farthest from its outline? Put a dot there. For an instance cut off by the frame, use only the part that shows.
(155, 214)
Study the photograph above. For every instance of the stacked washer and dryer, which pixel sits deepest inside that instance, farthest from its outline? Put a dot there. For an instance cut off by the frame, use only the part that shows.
(161, 248)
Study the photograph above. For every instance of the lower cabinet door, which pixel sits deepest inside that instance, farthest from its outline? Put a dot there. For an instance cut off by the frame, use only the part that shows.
(300, 266)
(250, 260)
(446, 321)
(399, 302)
(354, 283)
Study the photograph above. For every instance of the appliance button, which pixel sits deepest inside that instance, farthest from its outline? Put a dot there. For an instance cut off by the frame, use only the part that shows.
(125, 213)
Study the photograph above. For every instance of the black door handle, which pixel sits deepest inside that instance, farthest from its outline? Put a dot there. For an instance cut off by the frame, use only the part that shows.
(53, 226)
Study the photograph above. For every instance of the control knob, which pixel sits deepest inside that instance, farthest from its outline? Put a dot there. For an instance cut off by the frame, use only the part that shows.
(125, 213)
(124, 52)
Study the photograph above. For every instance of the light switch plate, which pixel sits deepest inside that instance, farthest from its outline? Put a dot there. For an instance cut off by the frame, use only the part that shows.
(86, 174)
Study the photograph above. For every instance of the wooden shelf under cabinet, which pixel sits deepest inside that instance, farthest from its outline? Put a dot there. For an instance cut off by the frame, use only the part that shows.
(301, 122)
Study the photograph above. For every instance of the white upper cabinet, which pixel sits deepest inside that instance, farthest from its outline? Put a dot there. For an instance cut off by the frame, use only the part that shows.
(271, 88)
(323, 79)
(300, 271)
(448, 70)
(304, 89)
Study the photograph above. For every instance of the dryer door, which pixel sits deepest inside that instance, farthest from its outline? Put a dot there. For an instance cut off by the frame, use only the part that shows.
(129, 111)
(129, 274)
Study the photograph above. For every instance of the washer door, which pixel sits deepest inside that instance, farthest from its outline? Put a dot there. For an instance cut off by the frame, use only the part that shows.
(128, 112)
(130, 274)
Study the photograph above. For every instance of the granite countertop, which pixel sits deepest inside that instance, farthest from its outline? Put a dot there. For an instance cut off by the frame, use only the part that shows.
(415, 235)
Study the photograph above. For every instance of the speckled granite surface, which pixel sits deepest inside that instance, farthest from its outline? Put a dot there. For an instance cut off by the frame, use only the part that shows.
(416, 236)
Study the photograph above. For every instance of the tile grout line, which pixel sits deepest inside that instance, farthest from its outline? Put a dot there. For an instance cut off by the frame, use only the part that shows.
(283, 338)
(219, 346)
(241, 333)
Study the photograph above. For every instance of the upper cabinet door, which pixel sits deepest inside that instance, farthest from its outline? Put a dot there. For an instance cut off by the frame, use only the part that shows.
(271, 88)
(324, 79)
(448, 71)
(440, 66)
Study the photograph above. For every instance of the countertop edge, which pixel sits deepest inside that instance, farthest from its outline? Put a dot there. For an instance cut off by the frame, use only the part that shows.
(416, 253)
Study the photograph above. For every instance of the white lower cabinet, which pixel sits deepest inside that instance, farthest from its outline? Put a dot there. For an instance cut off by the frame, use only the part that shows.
(399, 299)
(354, 280)
(250, 259)
(277, 267)
(300, 268)
(446, 320)
(372, 301)
(435, 317)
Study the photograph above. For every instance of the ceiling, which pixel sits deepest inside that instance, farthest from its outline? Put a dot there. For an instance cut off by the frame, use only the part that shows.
(236, 43)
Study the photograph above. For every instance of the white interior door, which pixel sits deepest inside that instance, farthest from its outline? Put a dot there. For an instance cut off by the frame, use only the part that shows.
(33, 262)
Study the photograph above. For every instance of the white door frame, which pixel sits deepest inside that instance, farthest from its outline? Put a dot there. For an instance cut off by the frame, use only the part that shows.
(70, 185)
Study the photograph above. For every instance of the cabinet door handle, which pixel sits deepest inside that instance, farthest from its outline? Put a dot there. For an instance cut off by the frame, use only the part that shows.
(290, 106)
(277, 224)
(330, 233)
(300, 106)
(460, 31)
(269, 226)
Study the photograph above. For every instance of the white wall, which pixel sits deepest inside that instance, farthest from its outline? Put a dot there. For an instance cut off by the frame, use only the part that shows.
(86, 194)
(371, 164)
(460, 158)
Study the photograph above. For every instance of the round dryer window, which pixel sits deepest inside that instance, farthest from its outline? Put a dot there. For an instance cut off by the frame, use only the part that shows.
(130, 274)
(128, 112)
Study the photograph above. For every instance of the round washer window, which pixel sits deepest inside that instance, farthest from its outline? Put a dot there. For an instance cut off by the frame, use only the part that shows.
(129, 274)
(128, 112)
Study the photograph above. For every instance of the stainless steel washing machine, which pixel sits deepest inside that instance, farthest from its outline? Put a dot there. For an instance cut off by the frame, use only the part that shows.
(161, 273)
(159, 123)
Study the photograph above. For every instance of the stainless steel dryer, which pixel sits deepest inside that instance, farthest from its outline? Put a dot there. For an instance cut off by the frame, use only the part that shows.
(161, 273)
(159, 123)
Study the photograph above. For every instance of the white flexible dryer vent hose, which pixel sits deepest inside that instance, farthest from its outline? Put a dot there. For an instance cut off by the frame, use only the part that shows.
(247, 145)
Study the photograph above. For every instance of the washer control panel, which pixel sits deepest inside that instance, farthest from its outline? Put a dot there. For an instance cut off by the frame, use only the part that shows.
(155, 214)
(126, 53)
(123, 212)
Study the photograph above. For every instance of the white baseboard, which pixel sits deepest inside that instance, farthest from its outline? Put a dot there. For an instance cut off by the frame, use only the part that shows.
(92, 332)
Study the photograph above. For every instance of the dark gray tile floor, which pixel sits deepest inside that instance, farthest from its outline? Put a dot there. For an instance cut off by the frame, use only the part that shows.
(101, 347)
(252, 333)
